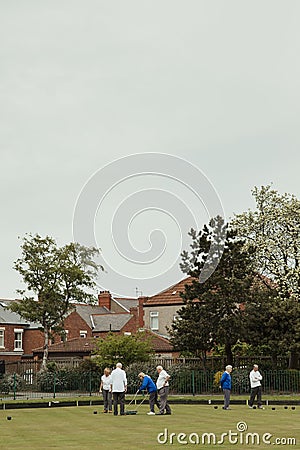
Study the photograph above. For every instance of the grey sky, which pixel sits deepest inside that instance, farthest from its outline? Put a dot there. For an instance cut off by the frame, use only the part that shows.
(83, 83)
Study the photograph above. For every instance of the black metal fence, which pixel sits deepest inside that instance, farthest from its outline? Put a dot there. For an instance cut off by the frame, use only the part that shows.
(72, 383)
(197, 382)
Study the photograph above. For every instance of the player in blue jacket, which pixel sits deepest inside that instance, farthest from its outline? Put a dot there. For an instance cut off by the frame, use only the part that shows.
(149, 385)
(226, 385)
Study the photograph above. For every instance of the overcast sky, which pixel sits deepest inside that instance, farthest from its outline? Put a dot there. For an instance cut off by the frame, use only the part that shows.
(84, 83)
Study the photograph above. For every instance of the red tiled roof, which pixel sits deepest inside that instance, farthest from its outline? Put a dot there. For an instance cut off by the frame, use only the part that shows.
(159, 343)
(75, 345)
(81, 345)
(170, 296)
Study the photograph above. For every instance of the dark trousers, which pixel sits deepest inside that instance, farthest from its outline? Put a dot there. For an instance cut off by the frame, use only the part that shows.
(226, 398)
(255, 392)
(153, 400)
(163, 400)
(107, 400)
(119, 397)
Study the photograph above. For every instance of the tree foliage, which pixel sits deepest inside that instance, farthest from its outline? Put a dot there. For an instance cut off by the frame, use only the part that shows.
(212, 314)
(273, 230)
(55, 278)
(126, 349)
(270, 323)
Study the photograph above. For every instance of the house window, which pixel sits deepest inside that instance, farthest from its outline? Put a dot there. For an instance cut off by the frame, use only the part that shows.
(2, 337)
(18, 339)
(64, 336)
(83, 334)
(154, 320)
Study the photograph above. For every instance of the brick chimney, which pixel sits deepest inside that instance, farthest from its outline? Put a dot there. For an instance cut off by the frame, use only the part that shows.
(141, 301)
(104, 299)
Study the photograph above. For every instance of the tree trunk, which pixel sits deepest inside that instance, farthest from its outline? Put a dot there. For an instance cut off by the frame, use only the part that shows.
(46, 349)
(204, 359)
(229, 355)
(294, 360)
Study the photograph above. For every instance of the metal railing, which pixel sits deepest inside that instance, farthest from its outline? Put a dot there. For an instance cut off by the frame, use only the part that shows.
(71, 383)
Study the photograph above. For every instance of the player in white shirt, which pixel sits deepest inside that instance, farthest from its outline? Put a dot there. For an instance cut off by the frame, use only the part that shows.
(162, 385)
(255, 383)
(105, 389)
(118, 388)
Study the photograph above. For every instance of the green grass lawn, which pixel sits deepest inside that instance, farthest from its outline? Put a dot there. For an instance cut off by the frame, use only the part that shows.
(79, 428)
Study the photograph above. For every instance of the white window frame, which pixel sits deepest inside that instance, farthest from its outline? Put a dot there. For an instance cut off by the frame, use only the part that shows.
(2, 337)
(18, 331)
(83, 334)
(154, 320)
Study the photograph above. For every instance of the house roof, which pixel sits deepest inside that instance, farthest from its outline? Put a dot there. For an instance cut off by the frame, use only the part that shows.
(170, 296)
(81, 345)
(9, 317)
(159, 343)
(86, 311)
(126, 303)
(75, 345)
(97, 317)
(110, 322)
(8, 300)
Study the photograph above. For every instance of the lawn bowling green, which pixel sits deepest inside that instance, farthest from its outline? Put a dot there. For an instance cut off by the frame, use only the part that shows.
(80, 428)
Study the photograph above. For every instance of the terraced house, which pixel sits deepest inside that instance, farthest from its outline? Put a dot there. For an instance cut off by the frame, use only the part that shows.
(161, 309)
(21, 340)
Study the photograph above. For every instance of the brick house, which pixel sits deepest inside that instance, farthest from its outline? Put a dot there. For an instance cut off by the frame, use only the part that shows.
(86, 322)
(108, 315)
(17, 336)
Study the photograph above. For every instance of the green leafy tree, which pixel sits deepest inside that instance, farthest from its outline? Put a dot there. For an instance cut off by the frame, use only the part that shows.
(273, 230)
(126, 349)
(269, 324)
(212, 314)
(55, 278)
(189, 331)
